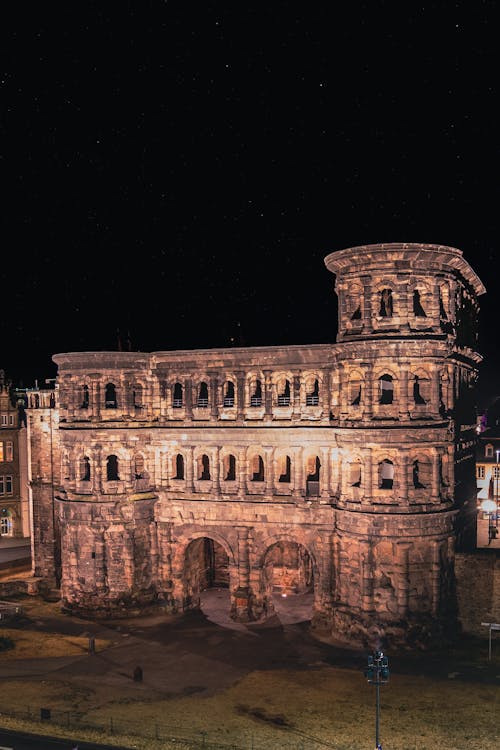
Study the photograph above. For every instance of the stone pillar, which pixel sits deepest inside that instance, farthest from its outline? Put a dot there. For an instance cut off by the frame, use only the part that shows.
(367, 471)
(403, 393)
(188, 387)
(97, 469)
(214, 392)
(164, 584)
(435, 386)
(366, 568)
(241, 597)
(268, 395)
(95, 398)
(401, 471)
(216, 471)
(298, 474)
(403, 578)
(326, 396)
(297, 409)
(436, 577)
(325, 490)
(435, 475)
(242, 472)
(269, 471)
(343, 392)
(189, 468)
(240, 394)
(367, 401)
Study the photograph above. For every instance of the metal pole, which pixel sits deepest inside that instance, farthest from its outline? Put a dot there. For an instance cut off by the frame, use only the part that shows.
(489, 645)
(377, 711)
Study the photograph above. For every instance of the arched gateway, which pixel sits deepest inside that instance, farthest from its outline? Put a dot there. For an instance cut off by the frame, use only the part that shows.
(345, 470)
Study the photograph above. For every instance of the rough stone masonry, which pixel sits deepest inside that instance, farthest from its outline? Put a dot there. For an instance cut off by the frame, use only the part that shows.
(342, 469)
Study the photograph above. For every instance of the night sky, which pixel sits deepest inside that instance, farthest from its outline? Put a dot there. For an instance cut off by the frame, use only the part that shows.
(178, 171)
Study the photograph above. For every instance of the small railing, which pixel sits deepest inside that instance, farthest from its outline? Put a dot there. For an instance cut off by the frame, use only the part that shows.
(312, 400)
(177, 403)
(202, 403)
(228, 401)
(255, 401)
(283, 400)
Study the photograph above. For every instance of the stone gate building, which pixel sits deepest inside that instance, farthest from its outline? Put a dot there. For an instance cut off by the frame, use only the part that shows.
(343, 469)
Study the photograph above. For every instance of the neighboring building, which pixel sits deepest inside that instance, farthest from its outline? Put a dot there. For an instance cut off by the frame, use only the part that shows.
(14, 505)
(344, 469)
(488, 485)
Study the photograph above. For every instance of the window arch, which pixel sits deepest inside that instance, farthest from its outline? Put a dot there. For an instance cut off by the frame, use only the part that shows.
(386, 474)
(177, 397)
(85, 469)
(285, 469)
(229, 394)
(110, 401)
(283, 389)
(204, 466)
(312, 395)
(256, 393)
(85, 397)
(203, 395)
(112, 468)
(386, 389)
(418, 309)
(257, 468)
(179, 466)
(355, 473)
(386, 303)
(138, 466)
(229, 468)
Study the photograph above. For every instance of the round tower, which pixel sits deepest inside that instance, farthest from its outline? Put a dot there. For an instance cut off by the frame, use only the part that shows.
(406, 347)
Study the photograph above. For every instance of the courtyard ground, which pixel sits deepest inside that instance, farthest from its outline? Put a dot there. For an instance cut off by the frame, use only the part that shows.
(207, 681)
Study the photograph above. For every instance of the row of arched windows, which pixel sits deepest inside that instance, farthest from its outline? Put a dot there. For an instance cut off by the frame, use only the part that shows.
(420, 470)
(385, 306)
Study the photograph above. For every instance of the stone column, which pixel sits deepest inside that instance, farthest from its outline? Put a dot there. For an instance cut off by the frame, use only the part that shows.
(269, 471)
(95, 398)
(326, 396)
(435, 386)
(298, 474)
(164, 584)
(401, 471)
(188, 387)
(297, 409)
(214, 392)
(403, 577)
(403, 393)
(242, 472)
(268, 395)
(368, 398)
(366, 568)
(189, 469)
(367, 471)
(241, 597)
(240, 394)
(435, 475)
(325, 490)
(216, 471)
(343, 394)
(97, 468)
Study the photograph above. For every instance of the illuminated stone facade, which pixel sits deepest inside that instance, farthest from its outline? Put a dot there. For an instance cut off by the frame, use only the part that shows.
(343, 469)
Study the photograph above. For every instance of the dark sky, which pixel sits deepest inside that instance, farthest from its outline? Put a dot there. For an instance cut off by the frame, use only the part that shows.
(180, 170)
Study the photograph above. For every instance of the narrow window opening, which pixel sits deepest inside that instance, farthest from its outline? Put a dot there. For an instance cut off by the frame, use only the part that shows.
(203, 396)
(110, 401)
(416, 475)
(417, 396)
(179, 466)
(85, 469)
(205, 468)
(386, 389)
(285, 476)
(418, 310)
(386, 307)
(112, 469)
(230, 469)
(312, 398)
(177, 396)
(256, 399)
(85, 397)
(357, 399)
(386, 475)
(229, 394)
(257, 469)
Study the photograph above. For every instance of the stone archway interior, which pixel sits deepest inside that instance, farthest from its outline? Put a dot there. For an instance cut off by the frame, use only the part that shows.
(206, 566)
(288, 569)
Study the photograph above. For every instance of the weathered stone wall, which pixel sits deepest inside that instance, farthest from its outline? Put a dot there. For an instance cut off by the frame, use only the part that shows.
(478, 589)
(353, 457)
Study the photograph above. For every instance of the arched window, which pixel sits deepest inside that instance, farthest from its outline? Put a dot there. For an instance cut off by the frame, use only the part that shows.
(417, 396)
(179, 466)
(257, 469)
(112, 468)
(138, 466)
(110, 401)
(386, 389)
(418, 310)
(137, 396)
(256, 399)
(85, 469)
(312, 469)
(229, 394)
(284, 396)
(386, 474)
(312, 397)
(418, 474)
(85, 397)
(285, 469)
(203, 396)
(6, 523)
(357, 398)
(204, 468)
(386, 306)
(355, 473)
(177, 396)
(229, 468)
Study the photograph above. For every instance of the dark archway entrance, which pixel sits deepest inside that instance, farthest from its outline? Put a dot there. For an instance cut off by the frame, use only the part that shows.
(206, 566)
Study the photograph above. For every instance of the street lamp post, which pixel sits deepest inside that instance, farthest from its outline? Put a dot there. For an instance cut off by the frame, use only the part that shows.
(377, 673)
